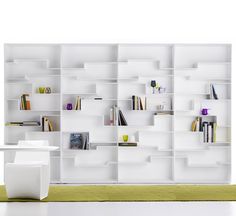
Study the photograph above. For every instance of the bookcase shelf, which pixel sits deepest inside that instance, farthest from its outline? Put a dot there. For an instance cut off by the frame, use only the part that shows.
(103, 76)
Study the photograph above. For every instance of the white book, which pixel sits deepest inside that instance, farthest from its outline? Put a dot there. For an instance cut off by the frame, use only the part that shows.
(209, 133)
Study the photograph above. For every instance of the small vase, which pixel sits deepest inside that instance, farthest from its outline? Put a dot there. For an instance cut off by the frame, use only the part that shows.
(69, 106)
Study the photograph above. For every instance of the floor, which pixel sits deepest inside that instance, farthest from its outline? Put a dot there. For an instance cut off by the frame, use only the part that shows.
(119, 208)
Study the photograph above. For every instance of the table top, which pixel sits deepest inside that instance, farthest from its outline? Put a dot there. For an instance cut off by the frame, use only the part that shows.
(27, 148)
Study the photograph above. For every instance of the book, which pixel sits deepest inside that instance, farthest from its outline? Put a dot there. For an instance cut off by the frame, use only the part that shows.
(209, 132)
(79, 141)
(213, 94)
(133, 102)
(200, 124)
(122, 118)
(25, 102)
(76, 141)
(46, 124)
(138, 103)
(214, 132)
(78, 103)
(205, 126)
(111, 120)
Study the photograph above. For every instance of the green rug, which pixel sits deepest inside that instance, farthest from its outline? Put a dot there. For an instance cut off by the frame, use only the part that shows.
(116, 193)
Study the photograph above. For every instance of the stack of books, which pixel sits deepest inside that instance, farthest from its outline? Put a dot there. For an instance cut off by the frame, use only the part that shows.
(209, 132)
(46, 124)
(139, 103)
(78, 103)
(25, 102)
(208, 129)
(23, 123)
(117, 117)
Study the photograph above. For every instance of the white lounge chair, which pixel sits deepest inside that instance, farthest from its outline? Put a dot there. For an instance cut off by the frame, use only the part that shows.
(29, 175)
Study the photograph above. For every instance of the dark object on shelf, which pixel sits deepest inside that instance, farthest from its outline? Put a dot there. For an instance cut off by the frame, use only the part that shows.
(205, 111)
(25, 102)
(153, 85)
(121, 119)
(69, 106)
(128, 144)
(46, 124)
(79, 141)
(139, 103)
(213, 94)
(23, 123)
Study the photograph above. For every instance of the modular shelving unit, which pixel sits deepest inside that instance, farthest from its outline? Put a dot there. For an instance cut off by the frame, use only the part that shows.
(167, 151)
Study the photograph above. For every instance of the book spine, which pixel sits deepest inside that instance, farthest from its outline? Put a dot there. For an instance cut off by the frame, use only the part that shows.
(197, 124)
(205, 132)
(42, 123)
(200, 124)
(209, 133)
(24, 102)
(112, 116)
(214, 132)
(133, 102)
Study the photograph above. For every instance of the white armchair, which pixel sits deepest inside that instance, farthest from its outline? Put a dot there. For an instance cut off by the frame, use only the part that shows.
(29, 175)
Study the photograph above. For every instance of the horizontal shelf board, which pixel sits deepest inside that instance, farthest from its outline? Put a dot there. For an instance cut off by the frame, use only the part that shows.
(159, 95)
(24, 126)
(145, 146)
(189, 132)
(156, 131)
(44, 94)
(44, 132)
(190, 94)
(128, 126)
(79, 93)
(38, 110)
(25, 60)
(194, 181)
(146, 181)
(193, 115)
(191, 150)
(147, 111)
(88, 181)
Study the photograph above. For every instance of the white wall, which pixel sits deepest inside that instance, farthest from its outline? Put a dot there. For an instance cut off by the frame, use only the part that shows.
(71, 21)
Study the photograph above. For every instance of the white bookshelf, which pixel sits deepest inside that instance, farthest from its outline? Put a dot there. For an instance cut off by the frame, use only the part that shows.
(167, 151)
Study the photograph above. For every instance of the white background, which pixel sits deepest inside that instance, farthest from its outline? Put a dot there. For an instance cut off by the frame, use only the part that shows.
(109, 21)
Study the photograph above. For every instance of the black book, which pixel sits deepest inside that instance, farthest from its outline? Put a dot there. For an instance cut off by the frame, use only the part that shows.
(214, 93)
(122, 118)
(200, 124)
(43, 124)
(133, 102)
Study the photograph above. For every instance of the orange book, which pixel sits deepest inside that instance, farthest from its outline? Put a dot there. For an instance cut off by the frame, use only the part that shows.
(28, 105)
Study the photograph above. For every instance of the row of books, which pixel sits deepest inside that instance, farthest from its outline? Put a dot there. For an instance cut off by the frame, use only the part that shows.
(23, 123)
(139, 103)
(25, 102)
(78, 103)
(46, 124)
(117, 117)
(209, 132)
(208, 129)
